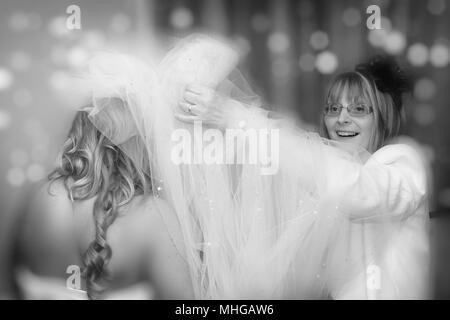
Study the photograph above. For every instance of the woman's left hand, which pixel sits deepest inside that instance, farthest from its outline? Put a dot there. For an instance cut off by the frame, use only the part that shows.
(201, 103)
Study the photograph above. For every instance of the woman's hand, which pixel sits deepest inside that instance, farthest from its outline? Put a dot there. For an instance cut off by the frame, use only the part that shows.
(204, 104)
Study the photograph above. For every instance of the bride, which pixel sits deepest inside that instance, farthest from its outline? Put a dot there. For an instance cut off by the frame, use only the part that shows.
(97, 212)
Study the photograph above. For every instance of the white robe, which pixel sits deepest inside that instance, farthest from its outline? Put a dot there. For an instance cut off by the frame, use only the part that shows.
(391, 185)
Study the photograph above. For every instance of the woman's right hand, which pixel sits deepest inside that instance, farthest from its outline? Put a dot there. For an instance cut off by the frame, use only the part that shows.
(201, 103)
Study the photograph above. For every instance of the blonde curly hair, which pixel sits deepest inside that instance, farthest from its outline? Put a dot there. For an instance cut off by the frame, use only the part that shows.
(90, 165)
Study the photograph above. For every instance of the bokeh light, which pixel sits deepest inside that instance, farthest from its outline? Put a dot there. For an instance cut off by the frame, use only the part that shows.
(395, 42)
(59, 80)
(319, 40)
(436, 7)
(57, 27)
(377, 38)
(6, 79)
(5, 120)
(181, 18)
(326, 62)
(16, 177)
(77, 57)
(439, 55)
(424, 89)
(278, 42)
(418, 54)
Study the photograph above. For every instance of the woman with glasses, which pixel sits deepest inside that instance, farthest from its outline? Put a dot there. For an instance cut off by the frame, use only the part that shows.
(364, 108)
(352, 206)
(379, 84)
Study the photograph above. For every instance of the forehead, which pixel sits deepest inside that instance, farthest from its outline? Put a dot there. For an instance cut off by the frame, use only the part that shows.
(349, 87)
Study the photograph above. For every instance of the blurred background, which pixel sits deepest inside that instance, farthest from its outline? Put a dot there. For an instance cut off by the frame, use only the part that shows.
(291, 50)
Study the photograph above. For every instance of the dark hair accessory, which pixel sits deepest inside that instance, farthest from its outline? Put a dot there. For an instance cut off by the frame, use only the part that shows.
(387, 76)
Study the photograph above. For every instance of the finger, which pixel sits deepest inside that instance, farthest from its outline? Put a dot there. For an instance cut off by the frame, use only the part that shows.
(193, 98)
(186, 107)
(196, 88)
(192, 109)
(187, 118)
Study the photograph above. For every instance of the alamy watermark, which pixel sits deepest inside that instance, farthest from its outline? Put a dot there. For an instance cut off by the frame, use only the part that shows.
(73, 21)
(373, 281)
(231, 146)
(374, 20)
(74, 280)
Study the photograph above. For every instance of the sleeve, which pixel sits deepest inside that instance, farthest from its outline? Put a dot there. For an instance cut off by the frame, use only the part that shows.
(392, 183)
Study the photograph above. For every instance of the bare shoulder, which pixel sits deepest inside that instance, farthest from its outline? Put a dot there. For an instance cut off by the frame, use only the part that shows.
(147, 225)
(51, 207)
(146, 239)
(164, 250)
(165, 223)
(145, 218)
(46, 201)
(139, 230)
(48, 229)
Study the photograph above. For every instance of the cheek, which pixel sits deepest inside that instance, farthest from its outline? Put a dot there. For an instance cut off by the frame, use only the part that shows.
(367, 127)
(329, 124)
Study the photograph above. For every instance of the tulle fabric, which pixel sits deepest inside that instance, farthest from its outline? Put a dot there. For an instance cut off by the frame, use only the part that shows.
(246, 235)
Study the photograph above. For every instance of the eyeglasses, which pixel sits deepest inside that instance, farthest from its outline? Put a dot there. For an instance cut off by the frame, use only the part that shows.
(354, 110)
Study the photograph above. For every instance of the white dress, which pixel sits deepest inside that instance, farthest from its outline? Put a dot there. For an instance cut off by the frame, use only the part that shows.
(327, 222)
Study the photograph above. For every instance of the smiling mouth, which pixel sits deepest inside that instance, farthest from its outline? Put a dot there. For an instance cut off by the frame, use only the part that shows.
(347, 134)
